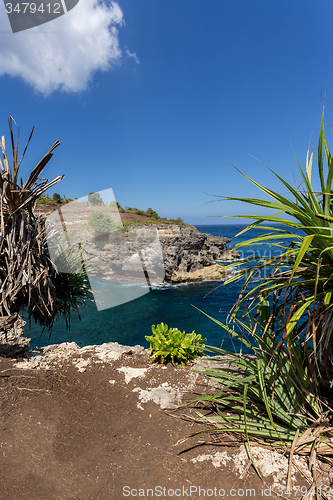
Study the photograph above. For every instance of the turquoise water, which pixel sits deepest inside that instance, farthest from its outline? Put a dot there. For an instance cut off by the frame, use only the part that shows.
(130, 322)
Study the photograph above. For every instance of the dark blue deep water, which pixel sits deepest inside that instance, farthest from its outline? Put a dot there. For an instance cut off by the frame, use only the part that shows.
(130, 322)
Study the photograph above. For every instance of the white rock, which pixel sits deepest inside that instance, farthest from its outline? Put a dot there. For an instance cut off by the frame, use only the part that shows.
(165, 396)
(218, 459)
(82, 364)
(132, 372)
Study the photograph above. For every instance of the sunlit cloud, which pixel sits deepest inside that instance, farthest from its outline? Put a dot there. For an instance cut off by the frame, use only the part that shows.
(65, 53)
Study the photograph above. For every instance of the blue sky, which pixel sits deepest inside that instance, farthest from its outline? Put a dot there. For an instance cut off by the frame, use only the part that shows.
(145, 95)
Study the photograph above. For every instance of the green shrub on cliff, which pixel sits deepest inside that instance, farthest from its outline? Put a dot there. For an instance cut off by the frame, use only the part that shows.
(102, 223)
(170, 344)
(151, 213)
(95, 199)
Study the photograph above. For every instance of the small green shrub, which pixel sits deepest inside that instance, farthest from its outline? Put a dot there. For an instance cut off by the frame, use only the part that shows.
(116, 205)
(170, 344)
(57, 198)
(151, 213)
(95, 199)
(117, 227)
(102, 223)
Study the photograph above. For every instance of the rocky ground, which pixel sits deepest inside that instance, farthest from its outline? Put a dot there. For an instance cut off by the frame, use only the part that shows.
(103, 423)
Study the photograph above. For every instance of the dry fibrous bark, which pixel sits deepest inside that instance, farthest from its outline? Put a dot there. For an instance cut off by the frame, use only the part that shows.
(26, 271)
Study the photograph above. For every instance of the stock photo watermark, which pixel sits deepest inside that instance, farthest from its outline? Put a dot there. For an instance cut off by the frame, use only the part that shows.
(219, 492)
(261, 260)
(25, 15)
(87, 236)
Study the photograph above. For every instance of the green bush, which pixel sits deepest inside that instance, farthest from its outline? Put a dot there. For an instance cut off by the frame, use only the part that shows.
(100, 222)
(44, 199)
(57, 198)
(151, 213)
(170, 344)
(116, 204)
(95, 199)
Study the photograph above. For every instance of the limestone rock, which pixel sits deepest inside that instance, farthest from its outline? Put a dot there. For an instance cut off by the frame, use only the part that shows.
(171, 252)
(15, 341)
(190, 255)
(81, 357)
(213, 272)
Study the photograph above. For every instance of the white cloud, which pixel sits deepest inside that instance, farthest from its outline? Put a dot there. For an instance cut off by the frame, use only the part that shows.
(63, 54)
(133, 55)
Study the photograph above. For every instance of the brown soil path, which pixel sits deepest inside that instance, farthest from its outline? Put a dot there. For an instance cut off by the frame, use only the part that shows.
(94, 434)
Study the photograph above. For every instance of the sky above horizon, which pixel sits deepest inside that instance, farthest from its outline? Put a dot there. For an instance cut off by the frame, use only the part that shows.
(150, 97)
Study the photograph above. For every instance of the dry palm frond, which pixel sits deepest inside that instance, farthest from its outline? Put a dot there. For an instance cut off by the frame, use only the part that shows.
(27, 275)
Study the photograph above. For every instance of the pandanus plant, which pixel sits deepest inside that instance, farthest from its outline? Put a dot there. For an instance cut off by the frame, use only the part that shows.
(299, 280)
(274, 398)
(28, 278)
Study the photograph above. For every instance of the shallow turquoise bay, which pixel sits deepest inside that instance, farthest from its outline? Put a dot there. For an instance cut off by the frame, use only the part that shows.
(130, 322)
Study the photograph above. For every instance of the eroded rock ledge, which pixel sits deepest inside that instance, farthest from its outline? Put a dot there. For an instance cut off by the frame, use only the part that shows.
(188, 255)
(82, 357)
(14, 341)
(162, 384)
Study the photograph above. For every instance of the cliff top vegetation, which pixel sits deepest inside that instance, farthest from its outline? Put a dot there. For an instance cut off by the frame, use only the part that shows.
(129, 215)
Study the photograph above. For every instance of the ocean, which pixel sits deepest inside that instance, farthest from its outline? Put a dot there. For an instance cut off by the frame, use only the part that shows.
(174, 305)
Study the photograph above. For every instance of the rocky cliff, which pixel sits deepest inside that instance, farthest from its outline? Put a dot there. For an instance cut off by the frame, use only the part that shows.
(190, 255)
(149, 252)
(168, 252)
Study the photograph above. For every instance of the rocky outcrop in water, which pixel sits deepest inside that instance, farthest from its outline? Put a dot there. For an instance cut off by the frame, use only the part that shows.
(190, 255)
(168, 252)
(150, 252)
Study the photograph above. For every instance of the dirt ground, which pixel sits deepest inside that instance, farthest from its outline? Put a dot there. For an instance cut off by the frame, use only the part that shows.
(78, 429)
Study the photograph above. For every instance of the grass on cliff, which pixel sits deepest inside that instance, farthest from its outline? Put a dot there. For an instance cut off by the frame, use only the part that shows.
(129, 216)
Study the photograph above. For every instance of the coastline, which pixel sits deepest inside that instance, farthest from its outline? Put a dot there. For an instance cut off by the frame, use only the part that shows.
(154, 252)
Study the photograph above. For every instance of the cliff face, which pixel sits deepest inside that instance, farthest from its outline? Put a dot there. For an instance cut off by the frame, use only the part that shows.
(164, 251)
(147, 253)
(190, 255)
